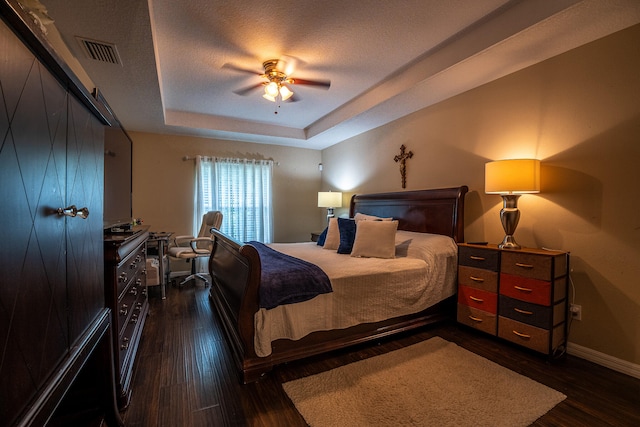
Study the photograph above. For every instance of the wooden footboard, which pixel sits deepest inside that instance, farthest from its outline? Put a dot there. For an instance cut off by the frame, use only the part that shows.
(235, 271)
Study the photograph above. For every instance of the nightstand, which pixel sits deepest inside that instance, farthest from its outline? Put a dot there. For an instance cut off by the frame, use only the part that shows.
(315, 236)
(518, 295)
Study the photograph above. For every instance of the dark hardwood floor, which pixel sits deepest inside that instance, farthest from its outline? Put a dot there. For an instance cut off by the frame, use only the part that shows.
(185, 377)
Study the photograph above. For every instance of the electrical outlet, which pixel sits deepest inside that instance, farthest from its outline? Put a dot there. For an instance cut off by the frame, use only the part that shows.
(576, 311)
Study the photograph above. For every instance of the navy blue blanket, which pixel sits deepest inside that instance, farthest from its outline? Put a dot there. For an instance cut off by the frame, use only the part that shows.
(287, 280)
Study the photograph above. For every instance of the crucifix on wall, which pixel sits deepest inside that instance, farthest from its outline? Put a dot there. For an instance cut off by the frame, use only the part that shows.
(402, 158)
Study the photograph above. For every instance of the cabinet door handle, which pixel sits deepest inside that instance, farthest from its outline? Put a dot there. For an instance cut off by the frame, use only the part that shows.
(72, 211)
(475, 319)
(476, 299)
(518, 310)
(477, 258)
(476, 279)
(519, 264)
(523, 289)
(83, 213)
(521, 335)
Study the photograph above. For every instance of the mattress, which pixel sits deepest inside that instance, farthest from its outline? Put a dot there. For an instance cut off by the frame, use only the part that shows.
(365, 290)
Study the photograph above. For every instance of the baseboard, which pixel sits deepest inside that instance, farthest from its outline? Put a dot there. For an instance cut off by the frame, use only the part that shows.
(605, 360)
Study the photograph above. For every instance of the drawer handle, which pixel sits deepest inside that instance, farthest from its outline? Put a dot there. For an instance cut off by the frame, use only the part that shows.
(476, 299)
(475, 319)
(477, 258)
(523, 289)
(519, 264)
(521, 335)
(476, 279)
(518, 310)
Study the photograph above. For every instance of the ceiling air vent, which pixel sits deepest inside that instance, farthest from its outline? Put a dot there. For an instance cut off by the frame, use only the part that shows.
(100, 51)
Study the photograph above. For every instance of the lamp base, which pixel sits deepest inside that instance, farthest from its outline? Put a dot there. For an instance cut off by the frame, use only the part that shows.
(329, 214)
(509, 216)
(509, 243)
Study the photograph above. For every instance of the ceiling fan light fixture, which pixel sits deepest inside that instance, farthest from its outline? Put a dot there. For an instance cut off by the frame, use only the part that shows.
(269, 97)
(271, 89)
(285, 93)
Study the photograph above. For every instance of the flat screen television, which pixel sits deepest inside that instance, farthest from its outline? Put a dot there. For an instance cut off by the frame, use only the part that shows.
(117, 179)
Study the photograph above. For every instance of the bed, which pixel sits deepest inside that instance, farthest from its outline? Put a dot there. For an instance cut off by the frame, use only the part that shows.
(236, 273)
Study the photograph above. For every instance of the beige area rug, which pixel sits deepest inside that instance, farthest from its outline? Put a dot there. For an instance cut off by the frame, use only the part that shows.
(433, 383)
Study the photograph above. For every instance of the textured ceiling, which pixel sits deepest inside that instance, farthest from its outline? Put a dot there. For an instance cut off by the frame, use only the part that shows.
(385, 59)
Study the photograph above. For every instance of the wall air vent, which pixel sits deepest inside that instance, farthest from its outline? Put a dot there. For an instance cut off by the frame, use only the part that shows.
(100, 51)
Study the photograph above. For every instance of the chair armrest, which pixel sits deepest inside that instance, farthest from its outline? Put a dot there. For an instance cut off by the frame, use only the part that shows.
(182, 240)
(198, 249)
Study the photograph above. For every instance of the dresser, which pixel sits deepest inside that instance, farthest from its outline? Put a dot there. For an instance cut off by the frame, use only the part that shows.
(126, 295)
(518, 295)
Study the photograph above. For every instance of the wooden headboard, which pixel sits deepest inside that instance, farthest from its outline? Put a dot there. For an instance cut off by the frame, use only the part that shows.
(437, 211)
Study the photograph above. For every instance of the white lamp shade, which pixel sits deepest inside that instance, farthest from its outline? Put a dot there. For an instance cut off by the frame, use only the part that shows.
(285, 93)
(329, 199)
(517, 176)
(271, 89)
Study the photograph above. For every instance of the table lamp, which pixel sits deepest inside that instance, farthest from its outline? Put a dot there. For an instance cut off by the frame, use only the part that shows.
(329, 200)
(510, 179)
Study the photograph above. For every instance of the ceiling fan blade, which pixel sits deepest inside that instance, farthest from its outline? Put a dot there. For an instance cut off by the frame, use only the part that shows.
(246, 90)
(240, 69)
(322, 84)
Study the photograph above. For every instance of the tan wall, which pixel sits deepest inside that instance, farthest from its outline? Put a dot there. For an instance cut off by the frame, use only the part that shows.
(580, 114)
(163, 183)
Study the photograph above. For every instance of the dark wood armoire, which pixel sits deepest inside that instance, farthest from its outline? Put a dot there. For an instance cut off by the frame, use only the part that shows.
(56, 360)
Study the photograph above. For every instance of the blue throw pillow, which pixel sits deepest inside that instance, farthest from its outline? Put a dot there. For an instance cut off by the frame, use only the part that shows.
(347, 229)
(322, 237)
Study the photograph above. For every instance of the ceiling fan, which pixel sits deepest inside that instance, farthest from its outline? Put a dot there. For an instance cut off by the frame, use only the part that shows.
(276, 82)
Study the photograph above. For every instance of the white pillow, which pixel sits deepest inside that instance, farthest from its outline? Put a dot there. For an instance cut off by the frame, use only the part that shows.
(332, 240)
(375, 239)
(364, 217)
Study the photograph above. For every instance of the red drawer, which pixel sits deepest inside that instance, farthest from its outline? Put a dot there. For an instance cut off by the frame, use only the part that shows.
(478, 298)
(526, 289)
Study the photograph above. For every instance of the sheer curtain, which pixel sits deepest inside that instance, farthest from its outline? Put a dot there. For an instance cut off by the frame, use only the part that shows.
(241, 190)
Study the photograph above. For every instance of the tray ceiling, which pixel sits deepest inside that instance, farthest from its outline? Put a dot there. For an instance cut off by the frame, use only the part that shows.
(384, 59)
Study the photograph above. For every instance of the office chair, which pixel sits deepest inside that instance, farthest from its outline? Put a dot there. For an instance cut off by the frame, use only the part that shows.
(191, 248)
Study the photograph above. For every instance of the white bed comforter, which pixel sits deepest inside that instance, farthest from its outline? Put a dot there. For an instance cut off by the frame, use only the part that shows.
(364, 289)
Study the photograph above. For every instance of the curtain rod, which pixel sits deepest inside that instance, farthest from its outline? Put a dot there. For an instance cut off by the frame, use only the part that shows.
(187, 157)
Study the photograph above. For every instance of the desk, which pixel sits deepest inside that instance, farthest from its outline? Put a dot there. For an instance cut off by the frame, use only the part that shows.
(158, 242)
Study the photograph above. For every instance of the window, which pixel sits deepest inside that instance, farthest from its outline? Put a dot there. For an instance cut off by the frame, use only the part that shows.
(241, 190)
